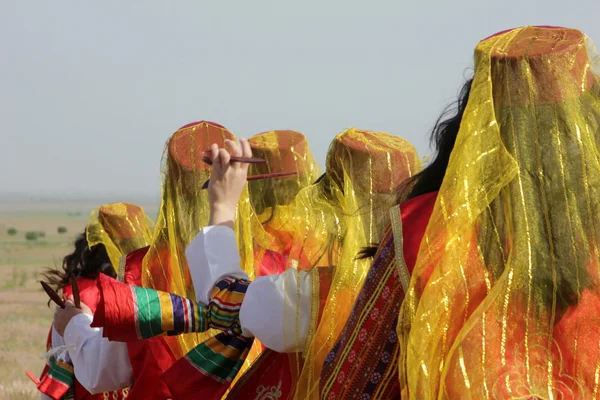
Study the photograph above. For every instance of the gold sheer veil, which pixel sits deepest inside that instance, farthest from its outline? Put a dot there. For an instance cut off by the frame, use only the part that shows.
(273, 200)
(341, 214)
(183, 212)
(121, 228)
(507, 273)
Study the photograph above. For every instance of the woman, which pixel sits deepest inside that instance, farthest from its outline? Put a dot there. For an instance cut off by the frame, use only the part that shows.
(353, 152)
(91, 366)
(218, 358)
(516, 259)
(357, 366)
(503, 288)
(297, 311)
(162, 265)
(273, 200)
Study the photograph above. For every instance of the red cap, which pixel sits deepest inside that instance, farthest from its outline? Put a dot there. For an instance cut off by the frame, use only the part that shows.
(377, 162)
(284, 150)
(546, 65)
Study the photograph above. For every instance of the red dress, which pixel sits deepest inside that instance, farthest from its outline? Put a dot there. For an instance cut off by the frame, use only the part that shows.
(364, 361)
(51, 383)
(149, 358)
(274, 374)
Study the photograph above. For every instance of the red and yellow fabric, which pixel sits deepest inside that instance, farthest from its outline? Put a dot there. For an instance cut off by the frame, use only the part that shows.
(273, 374)
(273, 199)
(344, 212)
(58, 379)
(184, 210)
(142, 313)
(504, 295)
(364, 361)
(332, 213)
(149, 358)
(121, 228)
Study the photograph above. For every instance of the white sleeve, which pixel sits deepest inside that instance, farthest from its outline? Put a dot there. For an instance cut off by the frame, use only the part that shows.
(273, 310)
(277, 310)
(58, 341)
(211, 256)
(100, 365)
(45, 397)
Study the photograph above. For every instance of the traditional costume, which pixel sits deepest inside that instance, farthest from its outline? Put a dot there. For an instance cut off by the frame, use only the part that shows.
(144, 316)
(504, 298)
(364, 361)
(302, 309)
(183, 212)
(282, 308)
(90, 365)
(273, 200)
(484, 262)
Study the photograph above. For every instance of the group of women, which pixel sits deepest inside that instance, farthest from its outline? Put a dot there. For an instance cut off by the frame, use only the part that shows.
(473, 277)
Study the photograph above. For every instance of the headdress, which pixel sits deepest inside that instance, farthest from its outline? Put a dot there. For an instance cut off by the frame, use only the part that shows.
(500, 298)
(347, 210)
(121, 228)
(184, 211)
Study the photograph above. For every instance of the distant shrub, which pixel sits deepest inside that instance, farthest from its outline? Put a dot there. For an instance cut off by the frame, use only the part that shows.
(12, 231)
(62, 229)
(19, 279)
(32, 235)
(42, 234)
(22, 278)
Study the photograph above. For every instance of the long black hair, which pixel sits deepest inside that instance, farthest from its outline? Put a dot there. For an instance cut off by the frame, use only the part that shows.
(82, 262)
(443, 137)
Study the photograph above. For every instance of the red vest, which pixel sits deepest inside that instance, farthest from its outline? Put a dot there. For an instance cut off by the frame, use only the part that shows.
(89, 295)
(272, 374)
(151, 357)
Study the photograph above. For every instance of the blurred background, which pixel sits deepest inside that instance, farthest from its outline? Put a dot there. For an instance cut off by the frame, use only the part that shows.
(90, 91)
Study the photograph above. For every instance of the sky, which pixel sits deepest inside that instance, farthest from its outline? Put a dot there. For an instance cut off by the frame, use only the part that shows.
(90, 91)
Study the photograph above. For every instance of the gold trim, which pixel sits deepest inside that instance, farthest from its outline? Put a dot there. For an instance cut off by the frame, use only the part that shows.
(314, 308)
(121, 270)
(399, 247)
(269, 393)
(247, 375)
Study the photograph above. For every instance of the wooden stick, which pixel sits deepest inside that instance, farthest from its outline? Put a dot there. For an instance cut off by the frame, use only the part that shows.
(207, 158)
(257, 177)
(53, 295)
(75, 288)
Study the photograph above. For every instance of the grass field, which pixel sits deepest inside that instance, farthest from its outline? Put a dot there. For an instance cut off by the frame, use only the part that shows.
(24, 315)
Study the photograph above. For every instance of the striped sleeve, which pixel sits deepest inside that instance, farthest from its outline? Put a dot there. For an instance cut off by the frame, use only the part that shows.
(130, 313)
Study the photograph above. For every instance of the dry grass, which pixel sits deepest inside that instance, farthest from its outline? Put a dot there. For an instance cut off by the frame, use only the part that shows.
(24, 314)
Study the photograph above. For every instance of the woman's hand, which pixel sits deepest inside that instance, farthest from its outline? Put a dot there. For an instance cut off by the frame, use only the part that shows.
(227, 181)
(62, 317)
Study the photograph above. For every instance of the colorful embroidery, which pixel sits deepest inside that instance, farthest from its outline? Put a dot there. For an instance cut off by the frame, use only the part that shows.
(142, 313)
(342, 376)
(61, 371)
(269, 393)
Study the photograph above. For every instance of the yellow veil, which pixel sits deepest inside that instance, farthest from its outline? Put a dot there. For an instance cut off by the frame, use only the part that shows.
(504, 298)
(341, 214)
(273, 199)
(121, 228)
(183, 212)
(272, 220)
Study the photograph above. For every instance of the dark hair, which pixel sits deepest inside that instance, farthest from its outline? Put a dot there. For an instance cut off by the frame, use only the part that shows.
(281, 192)
(443, 136)
(82, 262)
